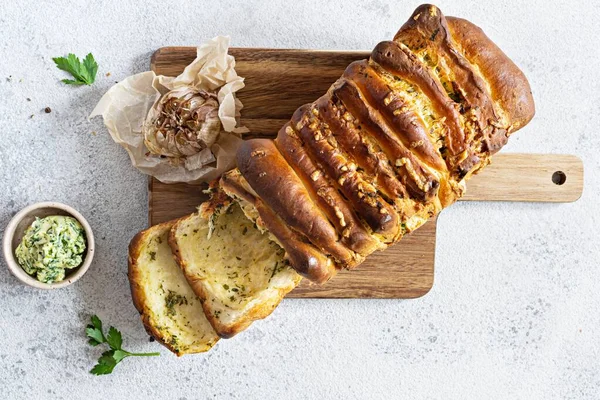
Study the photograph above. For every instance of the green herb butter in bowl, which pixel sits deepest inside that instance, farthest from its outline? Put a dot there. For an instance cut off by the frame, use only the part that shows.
(48, 245)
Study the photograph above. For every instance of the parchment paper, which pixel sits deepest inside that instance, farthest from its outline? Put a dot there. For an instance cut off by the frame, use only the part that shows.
(125, 107)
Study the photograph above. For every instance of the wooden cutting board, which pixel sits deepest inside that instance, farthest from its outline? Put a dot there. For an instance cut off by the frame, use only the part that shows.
(278, 82)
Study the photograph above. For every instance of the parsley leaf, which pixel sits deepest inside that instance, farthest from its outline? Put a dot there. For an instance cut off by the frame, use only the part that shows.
(90, 66)
(95, 336)
(114, 339)
(96, 323)
(109, 359)
(83, 72)
(118, 355)
(106, 364)
(94, 332)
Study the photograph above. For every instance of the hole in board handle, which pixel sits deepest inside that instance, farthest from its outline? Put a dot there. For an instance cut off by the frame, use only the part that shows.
(559, 178)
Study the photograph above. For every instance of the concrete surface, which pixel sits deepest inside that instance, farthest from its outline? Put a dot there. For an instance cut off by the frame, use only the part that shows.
(514, 310)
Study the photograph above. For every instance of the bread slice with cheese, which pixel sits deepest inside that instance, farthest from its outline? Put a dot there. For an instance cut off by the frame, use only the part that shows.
(237, 270)
(170, 310)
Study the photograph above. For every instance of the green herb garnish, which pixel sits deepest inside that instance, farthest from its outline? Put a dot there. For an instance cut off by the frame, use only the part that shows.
(173, 299)
(83, 72)
(109, 359)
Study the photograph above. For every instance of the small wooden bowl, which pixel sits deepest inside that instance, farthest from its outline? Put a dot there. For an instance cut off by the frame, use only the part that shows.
(15, 230)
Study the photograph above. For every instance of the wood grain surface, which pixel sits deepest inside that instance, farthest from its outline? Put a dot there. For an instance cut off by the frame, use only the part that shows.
(278, 82)
(552, 178)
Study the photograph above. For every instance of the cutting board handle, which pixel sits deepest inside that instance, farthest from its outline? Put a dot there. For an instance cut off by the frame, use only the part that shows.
(554, 178)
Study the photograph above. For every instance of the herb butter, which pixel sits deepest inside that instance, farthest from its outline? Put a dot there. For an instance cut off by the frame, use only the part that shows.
(50, 246)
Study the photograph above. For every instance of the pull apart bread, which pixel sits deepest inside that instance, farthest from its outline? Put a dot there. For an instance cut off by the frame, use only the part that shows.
(171, 311)
(388, 146)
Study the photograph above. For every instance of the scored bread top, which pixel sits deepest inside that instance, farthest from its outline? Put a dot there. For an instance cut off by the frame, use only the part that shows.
(326, 196)
(267, 171)
(482, 76)
(509, 87)
(388, 146)
(303, 256)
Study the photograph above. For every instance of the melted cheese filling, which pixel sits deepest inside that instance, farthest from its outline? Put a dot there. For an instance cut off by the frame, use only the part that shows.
(237, 263)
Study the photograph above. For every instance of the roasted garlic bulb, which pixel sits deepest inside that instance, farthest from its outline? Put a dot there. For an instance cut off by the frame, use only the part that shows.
(182, 123)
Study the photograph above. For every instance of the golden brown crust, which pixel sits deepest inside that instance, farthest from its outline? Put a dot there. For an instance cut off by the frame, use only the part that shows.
(305, 258)
(255, 313)
(401, 62)
(405, 163)
(325, 193)
(402, 123)
(510, 87)
(485, 82)
(404, 119)
(355, 185)
(133, 273)
(137, 293)
(387, 147)
(397, 135)
(272, 178)
(364, 150)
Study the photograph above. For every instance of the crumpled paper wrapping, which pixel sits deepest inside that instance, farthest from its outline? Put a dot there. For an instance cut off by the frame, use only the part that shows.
(125, 107)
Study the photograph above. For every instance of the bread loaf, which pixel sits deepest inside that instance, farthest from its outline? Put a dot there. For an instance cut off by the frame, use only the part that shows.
(387, 147)
(390, 144)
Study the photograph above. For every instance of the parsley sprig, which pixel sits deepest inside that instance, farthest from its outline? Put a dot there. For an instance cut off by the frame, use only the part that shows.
(109, 359)
(83, 72)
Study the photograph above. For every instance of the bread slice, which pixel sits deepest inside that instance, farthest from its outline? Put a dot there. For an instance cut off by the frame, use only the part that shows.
(237, 270)
(170, 310)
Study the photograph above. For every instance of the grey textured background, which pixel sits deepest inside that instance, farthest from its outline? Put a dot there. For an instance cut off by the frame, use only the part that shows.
(514, 309)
